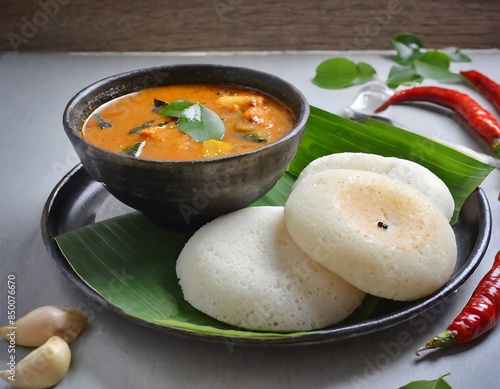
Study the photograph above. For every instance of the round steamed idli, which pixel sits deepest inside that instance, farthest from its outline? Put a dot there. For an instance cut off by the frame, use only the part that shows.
(381, 235)
(244, 269)
(406, 171)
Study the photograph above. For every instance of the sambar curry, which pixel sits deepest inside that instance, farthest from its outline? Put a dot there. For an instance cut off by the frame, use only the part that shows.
(142, 124)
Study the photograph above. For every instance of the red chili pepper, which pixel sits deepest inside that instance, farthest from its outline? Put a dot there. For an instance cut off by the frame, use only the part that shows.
(478, 316)
(481, 120)
(489, 88)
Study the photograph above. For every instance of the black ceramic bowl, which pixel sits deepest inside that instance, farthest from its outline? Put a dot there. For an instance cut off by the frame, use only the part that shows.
(186, 194)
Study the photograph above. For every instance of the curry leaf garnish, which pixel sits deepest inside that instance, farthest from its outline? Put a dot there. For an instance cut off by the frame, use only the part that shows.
(162, 124)
(253, 137)
(196, 120)
(134, 150)
(426, 70)
(436, 59)
(175, 108)
(101, 122)
(432, 64)
(158, 105)
(366, 73)
(439, 383)
(415, 64)
(407, 48)
(201, 123)
(402, 75)
(435, 65)
(338, 73)
(455, 54)
(138, 129)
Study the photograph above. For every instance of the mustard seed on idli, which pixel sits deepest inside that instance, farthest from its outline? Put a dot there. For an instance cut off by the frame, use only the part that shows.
(244, 269)
(379, 234)
(406, 171)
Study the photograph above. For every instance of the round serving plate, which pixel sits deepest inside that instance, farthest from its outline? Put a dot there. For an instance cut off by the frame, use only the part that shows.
(78, 200)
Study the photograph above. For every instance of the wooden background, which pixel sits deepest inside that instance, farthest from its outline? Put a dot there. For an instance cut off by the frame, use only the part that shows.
(229, 25)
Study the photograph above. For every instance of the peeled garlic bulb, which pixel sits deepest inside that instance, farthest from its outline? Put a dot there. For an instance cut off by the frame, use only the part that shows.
(42, 368)
(35, 328)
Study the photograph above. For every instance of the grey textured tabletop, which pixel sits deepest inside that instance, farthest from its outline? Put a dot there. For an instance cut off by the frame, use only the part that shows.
(116, 353)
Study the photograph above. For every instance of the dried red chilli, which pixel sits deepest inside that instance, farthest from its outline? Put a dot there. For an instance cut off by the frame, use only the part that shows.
(489, 88)
(479, 315)
(482, 121)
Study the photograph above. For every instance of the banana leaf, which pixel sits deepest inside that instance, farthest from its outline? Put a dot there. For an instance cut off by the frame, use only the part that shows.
(130, 262)
(328, 133)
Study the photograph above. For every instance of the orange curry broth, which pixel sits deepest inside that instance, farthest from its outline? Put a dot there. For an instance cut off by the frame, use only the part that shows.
(244, 112)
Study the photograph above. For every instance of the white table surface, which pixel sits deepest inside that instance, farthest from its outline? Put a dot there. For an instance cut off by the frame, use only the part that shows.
(115, 353)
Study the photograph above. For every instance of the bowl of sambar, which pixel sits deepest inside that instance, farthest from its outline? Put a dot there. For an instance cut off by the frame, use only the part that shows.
(187, 143)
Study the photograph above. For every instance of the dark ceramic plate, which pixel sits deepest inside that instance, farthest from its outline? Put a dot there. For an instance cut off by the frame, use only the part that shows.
(78, 200)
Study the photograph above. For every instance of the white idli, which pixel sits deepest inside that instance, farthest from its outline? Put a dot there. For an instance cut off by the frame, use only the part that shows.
(244, 269)
(381, 235)
(406, 171)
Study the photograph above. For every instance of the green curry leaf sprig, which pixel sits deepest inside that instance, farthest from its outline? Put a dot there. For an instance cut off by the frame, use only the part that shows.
(338, 73)
(439, 383)
(194, 119)
(414, 64)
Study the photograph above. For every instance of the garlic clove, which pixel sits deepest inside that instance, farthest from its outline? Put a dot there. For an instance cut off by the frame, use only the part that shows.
(36, 327)
(42, 368)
